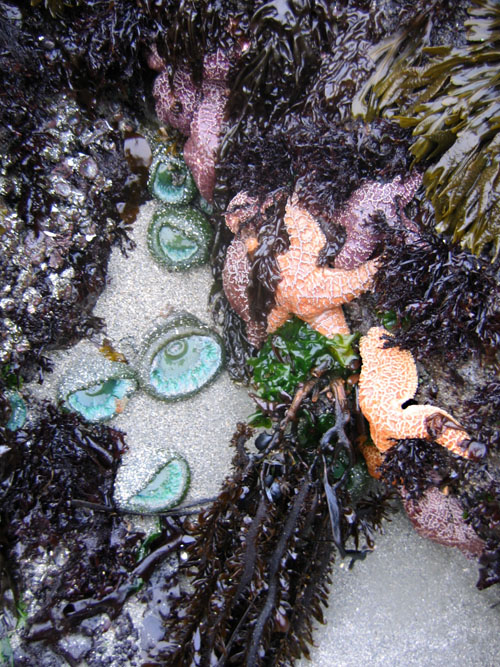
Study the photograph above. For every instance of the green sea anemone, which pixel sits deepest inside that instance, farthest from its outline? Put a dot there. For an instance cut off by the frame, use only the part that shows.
(18, 409)
(179, 357)
(96, 388)
(166, 488)
(179, 237)
(170, 180)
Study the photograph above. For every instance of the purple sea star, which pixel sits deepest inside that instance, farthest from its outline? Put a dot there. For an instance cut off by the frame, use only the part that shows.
(176, 103)
(237, 267)
(439, 517)
(197, 111)
(355, 216)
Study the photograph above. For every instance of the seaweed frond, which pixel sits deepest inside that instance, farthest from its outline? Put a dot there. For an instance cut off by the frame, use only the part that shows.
(449, 96)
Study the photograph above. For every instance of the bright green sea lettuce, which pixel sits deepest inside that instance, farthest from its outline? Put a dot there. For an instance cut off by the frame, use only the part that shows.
(289, 355)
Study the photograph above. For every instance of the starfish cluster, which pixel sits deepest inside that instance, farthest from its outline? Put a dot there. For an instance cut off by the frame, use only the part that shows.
(314, 293)
(388, 379)
(195, 110)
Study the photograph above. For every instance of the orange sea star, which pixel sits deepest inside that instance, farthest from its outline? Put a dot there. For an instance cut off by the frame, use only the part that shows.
(389, 379)
(315, 294)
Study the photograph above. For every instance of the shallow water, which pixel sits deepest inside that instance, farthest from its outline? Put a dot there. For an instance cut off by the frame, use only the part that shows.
(411, 602)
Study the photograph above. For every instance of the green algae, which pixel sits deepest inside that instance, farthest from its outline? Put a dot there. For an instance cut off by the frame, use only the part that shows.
(289, 355)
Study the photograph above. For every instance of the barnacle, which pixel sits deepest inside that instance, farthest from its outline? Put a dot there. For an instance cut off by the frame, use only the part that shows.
(179, 357)
(451, 102)
(179, 237)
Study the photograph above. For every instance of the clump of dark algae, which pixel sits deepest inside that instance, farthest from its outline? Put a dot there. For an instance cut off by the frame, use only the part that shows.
(260, 556)
(262, 553)
(65, 193)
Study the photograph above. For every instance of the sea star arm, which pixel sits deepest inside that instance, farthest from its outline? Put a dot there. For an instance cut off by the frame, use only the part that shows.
(388, 378)
(329, 322)
(277, 317)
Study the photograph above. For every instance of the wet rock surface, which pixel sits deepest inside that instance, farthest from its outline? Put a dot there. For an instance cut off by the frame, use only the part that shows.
(78, 86)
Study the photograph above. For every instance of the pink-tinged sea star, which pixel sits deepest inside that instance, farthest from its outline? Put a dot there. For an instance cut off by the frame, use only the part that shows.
(439, 517)
(237, 267)
(388, 379)
(315, 294)
(197, 111)
(355, 216)
(176, 101)
(435, 515)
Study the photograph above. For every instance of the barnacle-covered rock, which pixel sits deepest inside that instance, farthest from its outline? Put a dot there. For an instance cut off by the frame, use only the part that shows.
(61, 185)
(179, 237)
(170, 180)
(166, 488)
(179, 357)
(97, 388)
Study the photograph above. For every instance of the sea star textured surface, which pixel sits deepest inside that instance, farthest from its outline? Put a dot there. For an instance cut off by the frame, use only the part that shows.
(439, 517)
(315, 294)
(197, 111)
(388, 379)
(354, 216)
(237, 266)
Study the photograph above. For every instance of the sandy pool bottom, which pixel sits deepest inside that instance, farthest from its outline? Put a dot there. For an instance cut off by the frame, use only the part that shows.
(411, 602)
